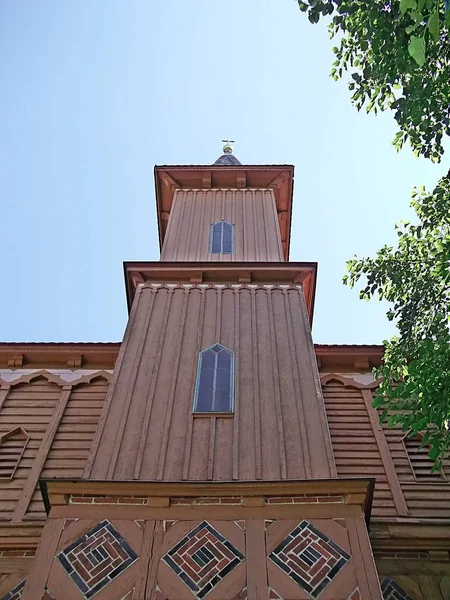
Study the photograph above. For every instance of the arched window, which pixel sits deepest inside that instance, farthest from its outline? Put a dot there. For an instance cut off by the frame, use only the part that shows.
(221, 239)
(215, 380)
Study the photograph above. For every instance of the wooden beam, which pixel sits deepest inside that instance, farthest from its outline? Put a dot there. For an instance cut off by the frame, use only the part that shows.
(4, 390)
(386, 457)
(37, 578)
(257, 588)
(169, 181)
(41, 456)
(214, 489)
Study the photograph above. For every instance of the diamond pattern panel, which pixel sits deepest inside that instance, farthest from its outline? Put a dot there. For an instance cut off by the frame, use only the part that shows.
(97, 558)
(392, 591)
(16, 593)
(310, 558)
(202, 559)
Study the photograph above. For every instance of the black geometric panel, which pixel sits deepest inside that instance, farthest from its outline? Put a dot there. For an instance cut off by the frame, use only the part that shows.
(97, 558)
(202, 559)
(392, 591)
(310, 558)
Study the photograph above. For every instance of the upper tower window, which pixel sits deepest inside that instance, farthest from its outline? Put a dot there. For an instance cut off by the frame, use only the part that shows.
(215, 379)
(221, 238)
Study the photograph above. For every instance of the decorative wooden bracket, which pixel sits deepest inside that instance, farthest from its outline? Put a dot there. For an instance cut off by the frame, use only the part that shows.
(196, 277)
(245, 277)
(15, 361)
(206, 181)
(75, 361)
(241, 181)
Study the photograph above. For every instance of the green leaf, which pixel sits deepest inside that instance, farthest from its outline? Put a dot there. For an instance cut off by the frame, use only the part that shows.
(406, 4)
(416, 49)
(433, 24)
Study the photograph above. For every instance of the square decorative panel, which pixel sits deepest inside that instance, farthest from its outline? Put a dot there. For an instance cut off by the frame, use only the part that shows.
(16, 593)
(310, 558)
(392, 591)
(97, 558)
(202, 559)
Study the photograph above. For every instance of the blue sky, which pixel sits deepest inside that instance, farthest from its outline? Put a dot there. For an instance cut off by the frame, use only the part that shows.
(94, 94)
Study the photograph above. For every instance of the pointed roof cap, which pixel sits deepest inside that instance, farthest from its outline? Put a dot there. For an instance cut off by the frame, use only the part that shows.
(227, 158)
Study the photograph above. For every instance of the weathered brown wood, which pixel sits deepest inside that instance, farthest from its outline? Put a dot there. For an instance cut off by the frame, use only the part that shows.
(41, 456)
(386, 457)
(171, 400)
(37, 578)
(257, 588)
(151, 552)
(227, 513)
(101, 424)
(216, 489)
(4, 390)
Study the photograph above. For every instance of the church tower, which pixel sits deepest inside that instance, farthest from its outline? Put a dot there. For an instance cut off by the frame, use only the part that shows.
(211, 473)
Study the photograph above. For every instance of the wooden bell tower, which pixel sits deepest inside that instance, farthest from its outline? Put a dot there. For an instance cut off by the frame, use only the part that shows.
(211, 473)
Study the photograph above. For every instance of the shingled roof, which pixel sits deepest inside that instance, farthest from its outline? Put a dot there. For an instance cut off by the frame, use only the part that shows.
(227, 160)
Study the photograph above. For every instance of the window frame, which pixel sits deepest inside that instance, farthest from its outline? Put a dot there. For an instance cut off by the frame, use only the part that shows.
(211, 231)
(5, 437)
(195, 411)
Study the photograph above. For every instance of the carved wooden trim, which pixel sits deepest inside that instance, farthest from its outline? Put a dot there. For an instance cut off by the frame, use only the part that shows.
(41, 456)
(386, 457)
(349, 381)
(89, 378)
(29, 377)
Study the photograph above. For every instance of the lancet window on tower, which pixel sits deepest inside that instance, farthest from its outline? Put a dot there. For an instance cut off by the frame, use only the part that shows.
(215, 378)
(221, 239)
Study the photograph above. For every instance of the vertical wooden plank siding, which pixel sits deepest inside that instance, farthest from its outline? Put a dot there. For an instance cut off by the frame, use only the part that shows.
(257, 588)
(152, 388)
(104, 416)
(132, 377)
(256, 404)
(150, 431)
(257, 234)
(37, 578)
(388, 463)
(31, 483)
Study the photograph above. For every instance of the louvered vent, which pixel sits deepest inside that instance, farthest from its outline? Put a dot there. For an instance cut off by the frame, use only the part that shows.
(12, 447)
(421, 463)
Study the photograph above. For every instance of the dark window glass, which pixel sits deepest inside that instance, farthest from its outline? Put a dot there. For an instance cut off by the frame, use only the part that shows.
(215, 377)
(221, 238)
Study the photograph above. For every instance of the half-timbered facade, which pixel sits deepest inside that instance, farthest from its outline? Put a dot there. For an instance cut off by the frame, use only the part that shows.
(216, 452)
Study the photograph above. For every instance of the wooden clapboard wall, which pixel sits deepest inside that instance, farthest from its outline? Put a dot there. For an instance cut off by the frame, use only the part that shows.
(60, 419)
(364, 447)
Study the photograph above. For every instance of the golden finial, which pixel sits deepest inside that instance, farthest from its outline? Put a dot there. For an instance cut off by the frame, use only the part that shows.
(228, 148)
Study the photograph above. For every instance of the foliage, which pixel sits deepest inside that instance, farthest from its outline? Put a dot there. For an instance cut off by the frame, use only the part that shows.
(415, 278)
(398, 53)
